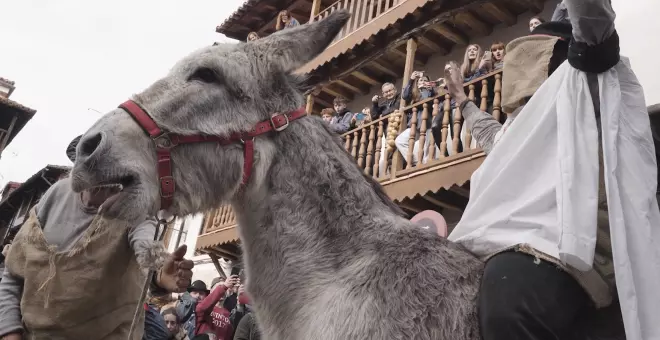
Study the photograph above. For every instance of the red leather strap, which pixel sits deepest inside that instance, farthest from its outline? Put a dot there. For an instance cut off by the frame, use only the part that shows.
(141, 117)
(165, 141)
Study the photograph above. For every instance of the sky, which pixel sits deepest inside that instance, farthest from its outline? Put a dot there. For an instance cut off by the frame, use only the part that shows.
(72, 57)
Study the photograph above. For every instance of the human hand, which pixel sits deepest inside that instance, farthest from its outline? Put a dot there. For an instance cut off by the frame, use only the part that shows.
(13, 336)
(354, 119)
(415, 75)
(375, 98)
(231, 281)
(176, 273)
(454, 82)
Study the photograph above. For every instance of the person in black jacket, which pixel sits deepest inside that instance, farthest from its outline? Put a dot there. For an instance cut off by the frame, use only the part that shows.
(383, 107)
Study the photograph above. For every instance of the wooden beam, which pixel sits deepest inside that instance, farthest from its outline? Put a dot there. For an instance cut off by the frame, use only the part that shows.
(477, 25)
(411, 49)
(352, 87)
(367, 77)
(338, 92)
(216, 264)
(442, 204)
(461, 191)
(432, 45)
(316, 7)
(410, 207)
(385, 67)
(501, 13)
(323, 102)
(10, 129)
(451, 34)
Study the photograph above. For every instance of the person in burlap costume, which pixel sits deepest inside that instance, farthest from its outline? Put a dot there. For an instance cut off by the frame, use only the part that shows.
(73, 274)
(530, 212)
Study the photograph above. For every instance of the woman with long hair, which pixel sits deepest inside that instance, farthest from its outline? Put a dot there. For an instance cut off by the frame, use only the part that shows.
(498, 52)
(252, 36)
(471, 60)
(285, 20)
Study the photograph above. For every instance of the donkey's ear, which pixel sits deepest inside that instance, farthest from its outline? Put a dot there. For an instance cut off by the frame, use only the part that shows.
(291, 48)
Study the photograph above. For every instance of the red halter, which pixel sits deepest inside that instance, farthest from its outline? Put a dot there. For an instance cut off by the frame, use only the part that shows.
(165, 141)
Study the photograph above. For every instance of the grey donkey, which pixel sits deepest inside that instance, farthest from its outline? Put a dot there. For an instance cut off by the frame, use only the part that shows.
(327, 254)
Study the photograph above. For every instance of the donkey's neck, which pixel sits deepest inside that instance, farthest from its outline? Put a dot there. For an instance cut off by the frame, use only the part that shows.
(312, 210)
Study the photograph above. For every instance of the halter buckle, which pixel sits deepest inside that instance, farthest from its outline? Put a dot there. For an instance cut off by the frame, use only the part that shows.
(283, 127)
(164, 141)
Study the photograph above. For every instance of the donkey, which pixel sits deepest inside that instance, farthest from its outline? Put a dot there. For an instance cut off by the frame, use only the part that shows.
(327, 254)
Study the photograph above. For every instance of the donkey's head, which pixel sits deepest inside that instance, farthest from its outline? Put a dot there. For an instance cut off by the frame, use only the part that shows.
(218, 90)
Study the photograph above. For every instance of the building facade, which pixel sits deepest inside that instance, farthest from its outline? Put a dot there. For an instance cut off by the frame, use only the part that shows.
(13, 115)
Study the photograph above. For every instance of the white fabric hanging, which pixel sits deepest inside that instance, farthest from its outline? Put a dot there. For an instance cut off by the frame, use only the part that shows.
(539, 186)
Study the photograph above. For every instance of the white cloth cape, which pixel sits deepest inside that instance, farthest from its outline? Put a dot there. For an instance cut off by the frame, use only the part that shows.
(539, 186)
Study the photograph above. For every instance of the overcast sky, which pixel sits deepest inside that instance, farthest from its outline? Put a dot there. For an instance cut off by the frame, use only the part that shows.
(69, 56)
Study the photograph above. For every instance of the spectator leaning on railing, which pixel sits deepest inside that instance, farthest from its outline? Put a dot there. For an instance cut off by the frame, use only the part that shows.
(341, 122)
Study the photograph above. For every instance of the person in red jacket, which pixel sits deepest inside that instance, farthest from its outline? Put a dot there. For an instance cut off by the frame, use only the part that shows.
(211, 316)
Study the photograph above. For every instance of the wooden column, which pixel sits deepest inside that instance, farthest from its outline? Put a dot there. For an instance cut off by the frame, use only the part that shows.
(310, 104)
(5, 139)
(216, 264)
(411, 48)
(316, 7)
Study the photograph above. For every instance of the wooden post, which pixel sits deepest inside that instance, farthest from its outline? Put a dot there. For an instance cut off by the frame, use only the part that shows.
(217, 266)
(316, 7)
(411, 48)
(6, 137)
(310, 104)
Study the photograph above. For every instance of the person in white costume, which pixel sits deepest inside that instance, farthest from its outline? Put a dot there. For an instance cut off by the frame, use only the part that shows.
(534, 202)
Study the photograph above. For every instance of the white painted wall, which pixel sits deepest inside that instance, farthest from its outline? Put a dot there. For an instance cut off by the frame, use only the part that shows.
(204, 269)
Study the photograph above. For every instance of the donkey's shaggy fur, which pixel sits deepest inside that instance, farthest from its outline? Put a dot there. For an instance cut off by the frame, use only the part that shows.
(327, 254)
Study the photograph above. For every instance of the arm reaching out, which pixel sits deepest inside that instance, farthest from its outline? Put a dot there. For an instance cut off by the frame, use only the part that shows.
(483, 126)
(11, 290)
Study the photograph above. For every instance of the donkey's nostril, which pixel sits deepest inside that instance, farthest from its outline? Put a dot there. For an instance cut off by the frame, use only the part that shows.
(89, 144)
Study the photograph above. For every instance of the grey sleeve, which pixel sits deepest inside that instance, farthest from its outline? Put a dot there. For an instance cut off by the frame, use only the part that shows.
(592, 20)
(560, 13)
(482, 126)
(11, 290)
(48, 199)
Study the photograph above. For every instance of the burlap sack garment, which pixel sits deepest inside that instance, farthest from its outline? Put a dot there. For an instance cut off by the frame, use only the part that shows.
(89, 292)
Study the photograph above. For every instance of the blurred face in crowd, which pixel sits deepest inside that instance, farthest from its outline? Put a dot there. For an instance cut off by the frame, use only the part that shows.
(171, 323)
(285, 16)
(498, 53)
(339, 107)
(423, 82)
(389, 92)
(327, 117)
(533, 23)
(366, 111)
(472, 51)
(199, 296)
(252, 36)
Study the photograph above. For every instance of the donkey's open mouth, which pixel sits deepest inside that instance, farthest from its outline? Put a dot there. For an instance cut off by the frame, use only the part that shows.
(107, 194)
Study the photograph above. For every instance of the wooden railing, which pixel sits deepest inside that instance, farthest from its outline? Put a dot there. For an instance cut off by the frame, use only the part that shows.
(221, 218)
(362, 12)
(365, 143)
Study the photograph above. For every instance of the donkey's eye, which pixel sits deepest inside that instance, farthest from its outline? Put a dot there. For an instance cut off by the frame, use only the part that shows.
(206, 75)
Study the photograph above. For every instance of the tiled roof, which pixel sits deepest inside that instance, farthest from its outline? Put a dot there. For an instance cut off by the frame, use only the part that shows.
(5, 80)
(246, 6)
(13, 104)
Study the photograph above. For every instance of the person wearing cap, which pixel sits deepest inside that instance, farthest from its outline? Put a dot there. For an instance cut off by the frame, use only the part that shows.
(72, 274)
(187, 303)
(543, 269)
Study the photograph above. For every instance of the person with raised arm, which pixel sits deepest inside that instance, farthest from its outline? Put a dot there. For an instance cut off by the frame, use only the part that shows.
(573, 163)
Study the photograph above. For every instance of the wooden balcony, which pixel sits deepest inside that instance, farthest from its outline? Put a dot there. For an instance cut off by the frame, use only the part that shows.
(219, 235)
